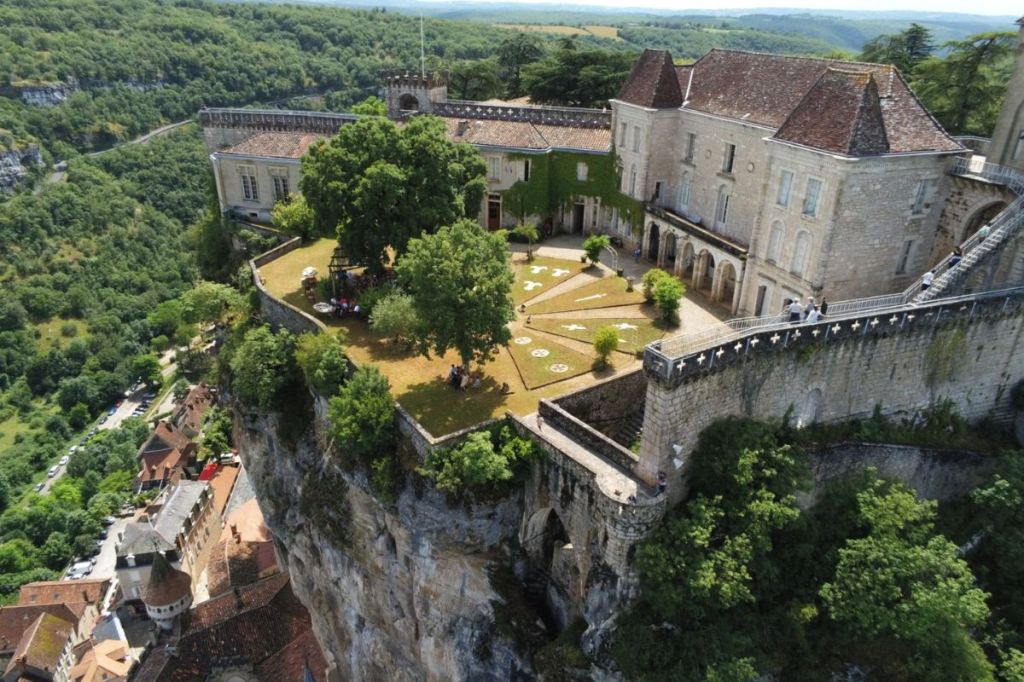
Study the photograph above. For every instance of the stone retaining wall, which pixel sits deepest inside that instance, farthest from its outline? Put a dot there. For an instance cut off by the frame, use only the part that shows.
(586, 435)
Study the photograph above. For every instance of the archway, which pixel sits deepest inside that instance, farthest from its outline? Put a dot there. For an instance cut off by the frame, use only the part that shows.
(705, 272)
(726, 283)
(408, 102)
(670, 252)
(653, 235)
(552, 568)
(689, 261)
(980, 217)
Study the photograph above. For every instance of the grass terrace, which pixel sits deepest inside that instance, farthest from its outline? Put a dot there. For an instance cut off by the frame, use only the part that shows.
(545, 358)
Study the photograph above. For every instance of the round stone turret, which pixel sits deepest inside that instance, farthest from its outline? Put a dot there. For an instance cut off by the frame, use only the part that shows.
(168, 593)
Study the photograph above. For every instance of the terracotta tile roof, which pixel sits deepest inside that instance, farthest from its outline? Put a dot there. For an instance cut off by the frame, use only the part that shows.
(64, 591)
(767, 90)
(276, 145)
(248, 521)
(15, 620)
(246, 552)
(107, 661)
(165, 436)
(252, 626)
(653, 82)
(189, 415)
(853, 125)
(222, 483)
(41, 644)
(290, 662)
(159, 465)
(526, 135)
(166, 585)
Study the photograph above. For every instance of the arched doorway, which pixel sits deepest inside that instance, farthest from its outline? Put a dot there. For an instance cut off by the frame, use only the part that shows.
(670, 252)
(553, 569)
(726, 283)
(689, 261)
(653, 235)
(980, 217)
(408, 102)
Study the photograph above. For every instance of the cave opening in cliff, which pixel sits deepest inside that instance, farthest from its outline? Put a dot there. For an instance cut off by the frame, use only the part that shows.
(545, 547)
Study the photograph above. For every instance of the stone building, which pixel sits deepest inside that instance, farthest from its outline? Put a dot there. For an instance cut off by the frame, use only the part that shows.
(167, 594)
(1007, 146)
(769, 177)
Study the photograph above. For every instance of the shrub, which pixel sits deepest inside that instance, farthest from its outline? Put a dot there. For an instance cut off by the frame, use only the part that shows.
(68, 330)
(262, 366)
(363, 414)
(321, 358)
(384, 478)
(594, 245)
(667, 292)
(395, 316)
(606, 341)
(478, 463)
(650, 279)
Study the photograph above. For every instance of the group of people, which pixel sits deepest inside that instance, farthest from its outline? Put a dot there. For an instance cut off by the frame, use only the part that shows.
(345, 306)
(795, 312)
(954, 260)
(461, 379)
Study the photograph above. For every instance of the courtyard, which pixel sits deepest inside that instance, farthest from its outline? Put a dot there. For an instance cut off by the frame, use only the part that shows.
(551, 351)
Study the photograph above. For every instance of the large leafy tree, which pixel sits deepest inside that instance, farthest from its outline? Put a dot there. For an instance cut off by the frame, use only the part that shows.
(261, 366)
(905, 49)
(514, 53)
(461, 287)
(363, 415)
(964, 89)
(376, 186)
(578, 78)
(477, 79)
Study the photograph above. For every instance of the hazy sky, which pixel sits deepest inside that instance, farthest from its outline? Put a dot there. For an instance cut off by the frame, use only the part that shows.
(1003, 7)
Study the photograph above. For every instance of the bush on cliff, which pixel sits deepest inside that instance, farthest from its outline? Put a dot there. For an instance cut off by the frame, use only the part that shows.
(262, 366)
(363, 415)
(481, 463)
(321, 358)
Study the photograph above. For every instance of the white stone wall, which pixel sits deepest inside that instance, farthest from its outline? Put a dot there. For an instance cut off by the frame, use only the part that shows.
(227, 169)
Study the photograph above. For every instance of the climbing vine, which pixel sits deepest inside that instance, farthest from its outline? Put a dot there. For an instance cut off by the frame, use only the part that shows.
(554, 182)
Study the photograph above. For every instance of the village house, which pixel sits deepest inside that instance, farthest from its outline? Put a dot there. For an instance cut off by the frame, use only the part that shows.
(245, 553)
(163, 457)
(189, 414)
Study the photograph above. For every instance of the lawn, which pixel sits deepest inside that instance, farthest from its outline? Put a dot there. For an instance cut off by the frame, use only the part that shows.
(10, 428)
(417, 382)
(539, 275)
(599, 31)
(541, 361)
(607, 292)
(634, 332)
(50, 333)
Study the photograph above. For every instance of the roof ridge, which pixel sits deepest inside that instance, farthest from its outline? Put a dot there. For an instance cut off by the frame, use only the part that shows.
(869, 105)
(794, 56)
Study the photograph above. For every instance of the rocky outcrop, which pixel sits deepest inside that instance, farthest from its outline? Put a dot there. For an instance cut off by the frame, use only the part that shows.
(15, 165)
(396, 592)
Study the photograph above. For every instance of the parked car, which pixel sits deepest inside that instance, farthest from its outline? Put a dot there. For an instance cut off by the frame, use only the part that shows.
(63, 460)
(103, 419)
(52, 472)
(103, 534)
(111, 411)
(109, 521)
(39, 487)
(92, 431)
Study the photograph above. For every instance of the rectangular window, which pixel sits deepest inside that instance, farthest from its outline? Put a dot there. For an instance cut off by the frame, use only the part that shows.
(785, 188)
(581, 171)
(813, 197)
(901, 266)
(493, 167)
(622, 134)
(691, 146)
(684, 192)
(919, 197)
(249, 188)
(729, 159)
(526, 170)
(281, 190)
(636, 138)
(722, 214)
(657, 189)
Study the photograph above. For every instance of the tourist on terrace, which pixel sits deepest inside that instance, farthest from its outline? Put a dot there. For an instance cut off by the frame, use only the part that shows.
(796, 311)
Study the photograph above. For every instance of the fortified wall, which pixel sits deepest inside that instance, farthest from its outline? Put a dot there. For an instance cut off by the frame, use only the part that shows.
(964, 350)
(227, 127)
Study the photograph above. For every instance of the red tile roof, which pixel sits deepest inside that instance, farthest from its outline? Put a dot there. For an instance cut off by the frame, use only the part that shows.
(159, 465)
(167, 585)
(246, 552)
(189, 415)
(64, 591)
(15, 620)
(767, 90)
(262, 625)
(41, 644)
(275, 145)
(653, 83)
(222, 483)
(526, 135)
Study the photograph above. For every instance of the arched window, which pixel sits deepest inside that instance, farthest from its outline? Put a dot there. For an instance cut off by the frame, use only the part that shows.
(684, 191)
(775, 238)
(801, 252)
(632, 181)
(722, 207)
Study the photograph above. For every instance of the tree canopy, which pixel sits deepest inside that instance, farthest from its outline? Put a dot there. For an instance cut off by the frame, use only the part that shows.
(461, 288)
(377, 186)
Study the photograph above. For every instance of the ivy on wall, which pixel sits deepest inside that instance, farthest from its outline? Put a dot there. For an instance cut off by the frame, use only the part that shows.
(553, 183)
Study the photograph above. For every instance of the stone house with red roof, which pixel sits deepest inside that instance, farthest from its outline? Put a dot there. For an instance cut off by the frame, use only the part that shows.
(188, 416)
(770, 177)
(163, 457)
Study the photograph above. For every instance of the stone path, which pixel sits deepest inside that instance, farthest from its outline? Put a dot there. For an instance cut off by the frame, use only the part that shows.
(612, 480)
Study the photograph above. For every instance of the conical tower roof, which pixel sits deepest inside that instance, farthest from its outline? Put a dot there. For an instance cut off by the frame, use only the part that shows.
(167, 585)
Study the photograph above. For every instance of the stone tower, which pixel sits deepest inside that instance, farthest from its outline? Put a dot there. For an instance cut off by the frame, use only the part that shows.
(1007, 148)
(407, 92)
(168, 594)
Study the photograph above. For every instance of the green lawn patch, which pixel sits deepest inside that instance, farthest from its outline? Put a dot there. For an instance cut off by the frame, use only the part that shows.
(607, 292)
(51, 332)
(541, 361)
(540, 275)
(634, 332)
(10, 428)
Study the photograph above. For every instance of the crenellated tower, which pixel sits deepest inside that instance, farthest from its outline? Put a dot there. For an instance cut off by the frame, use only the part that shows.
(407, 92)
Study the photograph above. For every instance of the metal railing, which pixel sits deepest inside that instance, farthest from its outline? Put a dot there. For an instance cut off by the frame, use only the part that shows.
(1005, 225)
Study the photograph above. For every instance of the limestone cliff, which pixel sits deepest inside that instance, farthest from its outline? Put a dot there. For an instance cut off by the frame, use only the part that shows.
(396, 592)
(15, 165)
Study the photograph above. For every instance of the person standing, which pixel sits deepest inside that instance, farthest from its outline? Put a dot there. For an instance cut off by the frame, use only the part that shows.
(810, 306)
(926, 280)
(812, 315)
(636, 255)
(796, 311)
(824, 308)
(956, 257)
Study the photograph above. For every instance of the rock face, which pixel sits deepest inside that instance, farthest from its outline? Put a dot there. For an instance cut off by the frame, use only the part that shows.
(15, 164)
(396, 592)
